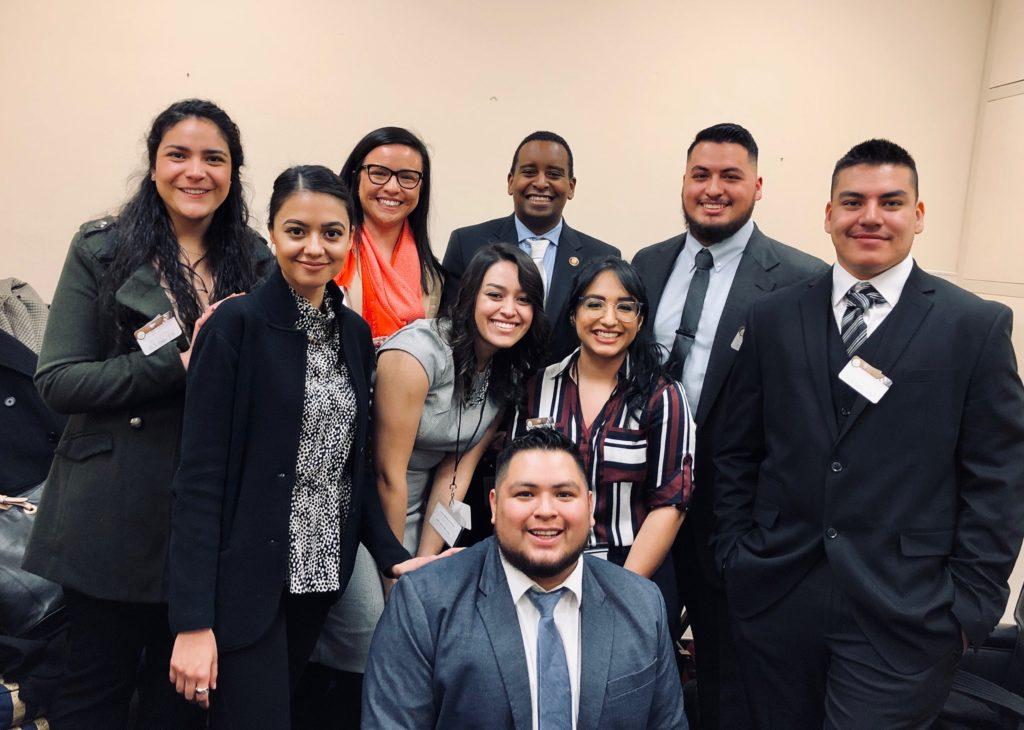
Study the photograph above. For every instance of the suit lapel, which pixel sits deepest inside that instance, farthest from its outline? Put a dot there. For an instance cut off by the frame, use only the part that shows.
(597, 631)
(753, 279)
(502, 624)
(658, 278)
(561, 277)
(902, 323)
(16, 356)
(505, 233)
(142, 292)
(815, 318)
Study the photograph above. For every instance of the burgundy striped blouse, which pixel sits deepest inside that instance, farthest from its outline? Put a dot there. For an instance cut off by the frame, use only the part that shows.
(635, 462)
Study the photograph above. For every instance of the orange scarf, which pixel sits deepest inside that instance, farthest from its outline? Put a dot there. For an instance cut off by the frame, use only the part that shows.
(392, 295)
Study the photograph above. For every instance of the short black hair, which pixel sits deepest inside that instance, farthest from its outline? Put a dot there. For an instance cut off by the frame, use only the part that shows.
(542, 438)
(541, 136)
(875, 152)
(726, 133)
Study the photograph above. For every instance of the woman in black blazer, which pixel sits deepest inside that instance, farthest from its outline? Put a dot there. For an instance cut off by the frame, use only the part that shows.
(273, 493)
(181, 243)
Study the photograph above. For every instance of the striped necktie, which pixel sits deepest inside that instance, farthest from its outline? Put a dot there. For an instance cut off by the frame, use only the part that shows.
(854, 327)
(554, 696)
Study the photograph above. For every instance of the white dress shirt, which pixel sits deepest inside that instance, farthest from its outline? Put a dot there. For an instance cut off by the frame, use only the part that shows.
(889, 284)
(726, 255)
(567, 620)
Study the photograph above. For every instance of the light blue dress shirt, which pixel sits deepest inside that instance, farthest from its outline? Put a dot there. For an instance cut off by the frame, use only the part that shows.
(552, 250)
(726, 256)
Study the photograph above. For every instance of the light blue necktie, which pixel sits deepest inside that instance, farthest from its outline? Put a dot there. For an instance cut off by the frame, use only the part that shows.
(554, 693)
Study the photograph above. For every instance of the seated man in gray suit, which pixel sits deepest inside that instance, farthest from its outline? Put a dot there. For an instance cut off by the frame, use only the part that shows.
(521, 631)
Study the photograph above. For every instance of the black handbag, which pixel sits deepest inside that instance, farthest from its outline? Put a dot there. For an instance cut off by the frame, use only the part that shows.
(988, 688)
(27, 602)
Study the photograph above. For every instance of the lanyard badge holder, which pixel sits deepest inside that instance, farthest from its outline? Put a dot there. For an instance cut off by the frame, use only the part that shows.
(451, 519)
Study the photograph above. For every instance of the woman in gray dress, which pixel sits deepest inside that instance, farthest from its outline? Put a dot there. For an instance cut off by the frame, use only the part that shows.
(441, 385)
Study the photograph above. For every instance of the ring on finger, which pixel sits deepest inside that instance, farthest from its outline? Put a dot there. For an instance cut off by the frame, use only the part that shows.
(202, 690)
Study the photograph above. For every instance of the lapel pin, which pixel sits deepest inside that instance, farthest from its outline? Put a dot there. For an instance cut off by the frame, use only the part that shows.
(573, 261)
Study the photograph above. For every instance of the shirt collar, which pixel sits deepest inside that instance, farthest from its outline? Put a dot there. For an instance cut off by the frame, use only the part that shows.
(889, 283)
(523, 232)
(722, 252)
(519, 583)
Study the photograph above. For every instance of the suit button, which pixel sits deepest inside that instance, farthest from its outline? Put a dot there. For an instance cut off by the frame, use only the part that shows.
(836, 467)
(10, 401)
(282, 475)
(845, 411)
(135, 422)
(832, 533)
(53, 437)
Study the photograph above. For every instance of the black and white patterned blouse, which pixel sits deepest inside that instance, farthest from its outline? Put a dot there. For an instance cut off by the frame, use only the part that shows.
(323, 482)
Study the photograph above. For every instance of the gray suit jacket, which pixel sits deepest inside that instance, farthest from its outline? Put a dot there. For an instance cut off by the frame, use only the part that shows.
(448, 652)
(766, 265)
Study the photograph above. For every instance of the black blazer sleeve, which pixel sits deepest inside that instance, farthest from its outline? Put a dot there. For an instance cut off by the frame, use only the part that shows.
(990, 464)
(198, 489)
(374, 531)
(454, 266)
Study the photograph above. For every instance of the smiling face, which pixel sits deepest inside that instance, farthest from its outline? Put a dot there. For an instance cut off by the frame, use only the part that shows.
(719, 190)
(602, 330)
(542, 513)
(873, 217)
(503, 312)
(312, 236)
(388, 205)
(192, 172)
(540, 184)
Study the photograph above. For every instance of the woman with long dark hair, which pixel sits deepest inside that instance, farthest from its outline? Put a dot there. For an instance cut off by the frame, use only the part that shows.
(440, 386)
(631, 421)
(134, 291)
(391, 277)
(273, 493)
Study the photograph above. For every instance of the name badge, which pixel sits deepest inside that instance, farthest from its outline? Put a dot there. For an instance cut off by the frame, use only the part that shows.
(737, 341)
(542, 422)
(157, 332)
(450, 521)
(866, 379)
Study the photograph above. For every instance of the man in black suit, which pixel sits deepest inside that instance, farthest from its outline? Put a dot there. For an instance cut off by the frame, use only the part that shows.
(870, 493)
(720, 188)
(540, 182)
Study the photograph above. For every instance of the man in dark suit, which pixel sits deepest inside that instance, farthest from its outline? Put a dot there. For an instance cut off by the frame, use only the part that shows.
(740, 265)
(540, 182)
(870, 493)
(520, 631)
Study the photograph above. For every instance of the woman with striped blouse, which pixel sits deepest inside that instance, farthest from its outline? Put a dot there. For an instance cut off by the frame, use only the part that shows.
(630, 420)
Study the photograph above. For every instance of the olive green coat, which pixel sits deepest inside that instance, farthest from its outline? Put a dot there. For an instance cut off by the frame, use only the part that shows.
(104, 520)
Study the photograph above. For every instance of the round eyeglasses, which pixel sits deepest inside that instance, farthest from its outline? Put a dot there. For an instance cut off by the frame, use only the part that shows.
(379, 175)
(626, 310)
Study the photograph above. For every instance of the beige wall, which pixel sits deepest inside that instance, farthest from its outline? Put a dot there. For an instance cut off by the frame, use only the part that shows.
(627, 83)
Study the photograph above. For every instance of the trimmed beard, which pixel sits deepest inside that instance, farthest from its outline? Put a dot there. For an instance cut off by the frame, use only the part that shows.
(535, 570)
(709, 235)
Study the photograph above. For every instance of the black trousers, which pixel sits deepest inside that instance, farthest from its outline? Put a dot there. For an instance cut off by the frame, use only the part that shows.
(327, 699)
(665, 578)
(721, 695)
(807, 664)
(255, 683)
(114, 649)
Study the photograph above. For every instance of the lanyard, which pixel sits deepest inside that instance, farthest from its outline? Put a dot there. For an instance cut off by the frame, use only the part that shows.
(458, 451)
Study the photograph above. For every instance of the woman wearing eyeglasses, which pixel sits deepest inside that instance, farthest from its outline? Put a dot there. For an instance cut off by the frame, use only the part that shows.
(630, 420)
(391, 277)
